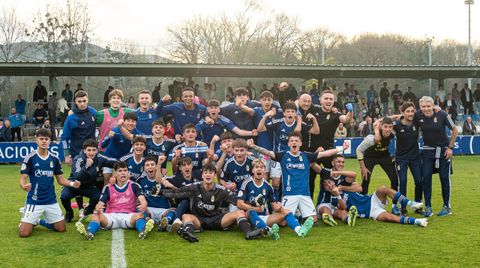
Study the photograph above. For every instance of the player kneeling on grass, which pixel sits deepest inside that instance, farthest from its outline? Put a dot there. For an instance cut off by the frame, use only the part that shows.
(343, 179)
(120, 200)
(253, 196)
(206, 199)
(158, 207)
(371, 206)
(40, 166)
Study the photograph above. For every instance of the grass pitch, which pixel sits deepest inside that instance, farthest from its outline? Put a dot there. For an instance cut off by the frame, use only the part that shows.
(449, 241)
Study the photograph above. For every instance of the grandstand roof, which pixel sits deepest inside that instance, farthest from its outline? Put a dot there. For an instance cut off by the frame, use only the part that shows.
(305, 71)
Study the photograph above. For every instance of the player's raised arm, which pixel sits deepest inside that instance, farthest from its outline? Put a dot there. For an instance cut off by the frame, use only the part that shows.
(259, 149)
(328, 153)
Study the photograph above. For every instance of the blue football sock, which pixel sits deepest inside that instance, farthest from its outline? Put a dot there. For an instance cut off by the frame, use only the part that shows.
(292, 222)
(170, 216)
(407, 220)
(399, 198)
(255, 219)
(49, 226)
(140, 225)
(93, 227)
(276, 193)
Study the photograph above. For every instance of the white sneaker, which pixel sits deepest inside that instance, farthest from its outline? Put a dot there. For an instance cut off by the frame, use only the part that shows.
(81, 213)
(422, 222)
(416, 205)
(177, 224)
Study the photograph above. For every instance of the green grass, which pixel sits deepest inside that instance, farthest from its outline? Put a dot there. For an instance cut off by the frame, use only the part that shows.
(450, 241)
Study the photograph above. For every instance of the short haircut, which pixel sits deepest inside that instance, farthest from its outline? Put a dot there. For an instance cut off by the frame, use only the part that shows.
(150, 158)
(407, 105)
(387, 120)
(81, 93)
(266, 94)
(241, 91)
(239, 142)
(328, 91)
(426, 99)
(145, 91)
(189, 126)
(184, 161)
(259, 161)
(119, 164)
(139, 139)
(289, 106)
(90, 143)
(209, 167)
(213, 103)
(295, 134)
(130, 115)
(337, 156)
(115, 92)
(188, 89)
(226, 136)
(43, 132)
(157, 122)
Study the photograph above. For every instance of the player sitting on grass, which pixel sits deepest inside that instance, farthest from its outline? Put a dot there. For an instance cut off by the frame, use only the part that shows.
(158, 207)
(120, 200)
(40, 166)
(371, 206)
(344, 180)
(256, 193)
(295, 173)
(206, 199)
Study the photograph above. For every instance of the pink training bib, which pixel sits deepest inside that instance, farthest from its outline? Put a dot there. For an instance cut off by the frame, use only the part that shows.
(108, 124)
(122, 202)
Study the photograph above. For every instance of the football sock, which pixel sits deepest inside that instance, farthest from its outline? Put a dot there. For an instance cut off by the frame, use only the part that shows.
(170, 216)
(399, 198)
(140, 225)
(292, 222)
(49, 226)
(244, 225)
(256, 220)
(189, 227)
(407, 220)
(79, 200)
(276, 193)
(93, 227)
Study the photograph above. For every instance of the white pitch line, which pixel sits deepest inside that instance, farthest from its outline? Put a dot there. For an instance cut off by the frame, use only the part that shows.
(118, 249)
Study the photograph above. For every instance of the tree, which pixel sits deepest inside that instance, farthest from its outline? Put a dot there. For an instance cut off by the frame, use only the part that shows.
(11, 35)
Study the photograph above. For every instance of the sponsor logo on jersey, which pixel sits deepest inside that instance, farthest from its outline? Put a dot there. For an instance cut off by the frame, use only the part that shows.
(40, 172)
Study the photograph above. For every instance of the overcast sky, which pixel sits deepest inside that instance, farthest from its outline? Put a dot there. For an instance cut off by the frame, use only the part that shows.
(145, 21)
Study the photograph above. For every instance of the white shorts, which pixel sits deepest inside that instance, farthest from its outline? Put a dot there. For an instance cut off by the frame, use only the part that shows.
(107, 170)
(232, 208)
(33, 213)
(376, 206)
(275, 169)
(264, 218)
(118, 220)
(301, 202)
(156, 213)
(325, 205)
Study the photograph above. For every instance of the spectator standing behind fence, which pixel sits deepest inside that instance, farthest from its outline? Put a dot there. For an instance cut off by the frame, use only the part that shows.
(156, 93)
(450, 106)
(52, 109)
(5, 131)
(469, 127)
(51, 128)
(441, 94)
(63, 108)
(131, 103)
(371, 95)
(396, 98)
(40, 93)
(17, 122)
(456, 97)
(476, 99)
(384, 96)
(20, 104)
(39, 115)
(106, 98)
(410, 96)
(315, 94)
(67, 94)
(467, 99)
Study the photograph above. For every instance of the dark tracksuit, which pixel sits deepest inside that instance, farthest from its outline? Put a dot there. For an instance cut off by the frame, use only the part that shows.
(78, 127)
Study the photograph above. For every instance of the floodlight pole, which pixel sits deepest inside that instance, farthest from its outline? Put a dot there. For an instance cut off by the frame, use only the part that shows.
(469, 3)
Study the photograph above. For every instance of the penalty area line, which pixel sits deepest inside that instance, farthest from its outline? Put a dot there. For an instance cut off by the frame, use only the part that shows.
(118, 249)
